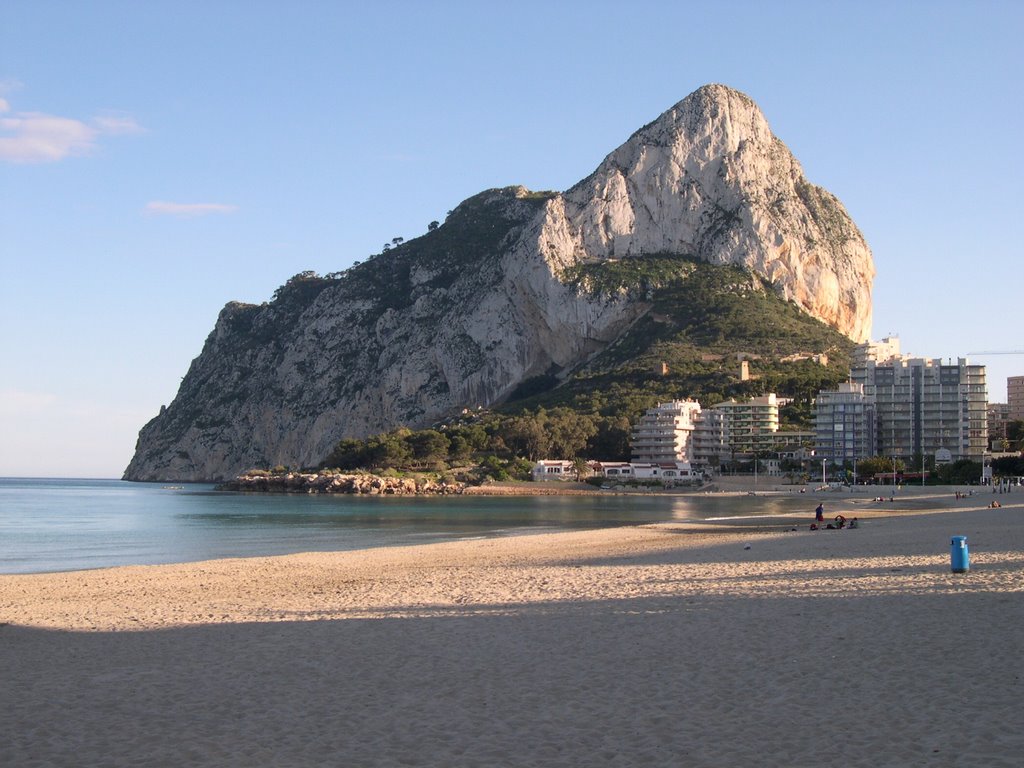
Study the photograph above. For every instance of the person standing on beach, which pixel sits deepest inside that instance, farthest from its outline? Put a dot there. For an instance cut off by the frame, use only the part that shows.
(819, 513)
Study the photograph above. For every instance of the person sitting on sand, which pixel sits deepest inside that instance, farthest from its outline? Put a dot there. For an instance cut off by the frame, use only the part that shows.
(853, 523)
(840, 521)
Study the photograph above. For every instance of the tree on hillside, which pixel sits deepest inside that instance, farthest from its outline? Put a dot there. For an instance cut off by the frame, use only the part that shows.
(347, 454)
(610, 442)
(568, 432)
(475, 435)
(525, 436)
(429, 446)
(459, 449)
(388, 450)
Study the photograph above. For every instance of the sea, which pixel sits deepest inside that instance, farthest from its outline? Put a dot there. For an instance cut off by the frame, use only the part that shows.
(49, 525)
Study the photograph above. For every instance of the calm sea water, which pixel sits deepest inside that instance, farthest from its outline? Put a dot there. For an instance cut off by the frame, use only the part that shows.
(61, 525)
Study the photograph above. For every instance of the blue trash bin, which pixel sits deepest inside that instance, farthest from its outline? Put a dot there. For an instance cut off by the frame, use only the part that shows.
(959, 557)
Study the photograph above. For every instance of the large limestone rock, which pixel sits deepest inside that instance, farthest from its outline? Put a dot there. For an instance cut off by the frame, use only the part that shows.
(708, 178)
(459, 317)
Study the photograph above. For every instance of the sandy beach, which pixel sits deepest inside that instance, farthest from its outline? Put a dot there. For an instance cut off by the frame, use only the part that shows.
(725, 643)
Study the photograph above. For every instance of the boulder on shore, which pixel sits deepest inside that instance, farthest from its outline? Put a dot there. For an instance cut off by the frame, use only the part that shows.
(316, 482)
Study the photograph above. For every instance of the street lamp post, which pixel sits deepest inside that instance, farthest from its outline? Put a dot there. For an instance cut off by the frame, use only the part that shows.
(857, 413)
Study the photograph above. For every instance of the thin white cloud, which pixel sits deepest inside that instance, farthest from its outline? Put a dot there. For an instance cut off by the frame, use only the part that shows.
(32, 137)
(35, 137)
(116, 125)
(186, 210)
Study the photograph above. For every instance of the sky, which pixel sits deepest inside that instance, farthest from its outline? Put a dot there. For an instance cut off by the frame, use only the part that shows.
(160, 159)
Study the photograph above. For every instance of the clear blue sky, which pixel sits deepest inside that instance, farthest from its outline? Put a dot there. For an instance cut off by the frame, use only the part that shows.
(159, 159)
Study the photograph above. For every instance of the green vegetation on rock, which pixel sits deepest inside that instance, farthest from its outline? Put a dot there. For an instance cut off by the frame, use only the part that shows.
(703, 318)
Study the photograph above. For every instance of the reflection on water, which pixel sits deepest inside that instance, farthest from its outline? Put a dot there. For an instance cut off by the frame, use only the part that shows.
(51, 525)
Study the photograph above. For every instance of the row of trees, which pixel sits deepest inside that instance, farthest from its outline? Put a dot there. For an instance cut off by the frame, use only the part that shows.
(397, 241)
(1008, 466)
(961, 472)
(510, 439)
(1014, 438)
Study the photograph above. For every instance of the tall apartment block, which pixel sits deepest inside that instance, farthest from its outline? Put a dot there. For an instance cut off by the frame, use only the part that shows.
(710, 444)
(998, 421)
(845, 425)
(750, 425)
(923, 405)
(663, 432)
(1015, 397)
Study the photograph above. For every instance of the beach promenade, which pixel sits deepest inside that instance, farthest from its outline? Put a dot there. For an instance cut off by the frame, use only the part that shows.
(724, 643)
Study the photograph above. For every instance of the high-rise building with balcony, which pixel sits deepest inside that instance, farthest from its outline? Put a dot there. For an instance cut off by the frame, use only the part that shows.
(663, 432)
(923, 406)
(750, 425)
(998, 421)
(709, 444)
(844, 425)
(1015, 397)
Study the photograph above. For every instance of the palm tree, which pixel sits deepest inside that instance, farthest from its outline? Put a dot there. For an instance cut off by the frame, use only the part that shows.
(580, 467)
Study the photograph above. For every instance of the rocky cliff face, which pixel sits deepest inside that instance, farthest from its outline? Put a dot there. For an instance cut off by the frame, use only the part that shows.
(459, 317)
(709, 179)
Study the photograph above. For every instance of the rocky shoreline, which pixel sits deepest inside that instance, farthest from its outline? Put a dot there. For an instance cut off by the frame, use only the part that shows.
(314, 482)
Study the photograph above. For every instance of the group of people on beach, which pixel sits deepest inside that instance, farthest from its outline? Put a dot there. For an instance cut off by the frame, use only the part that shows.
(838, 522)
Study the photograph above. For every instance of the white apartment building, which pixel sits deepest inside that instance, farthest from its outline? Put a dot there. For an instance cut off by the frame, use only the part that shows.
(922, 406)
(663, 432)
(878, 351)
(731, 429)
(844, 425)
(751, 425)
